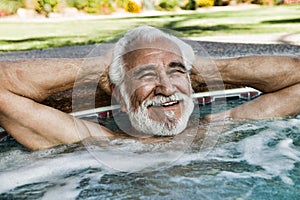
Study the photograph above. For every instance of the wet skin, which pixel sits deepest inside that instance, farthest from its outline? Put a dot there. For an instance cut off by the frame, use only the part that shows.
(153, 72)
(157, 71)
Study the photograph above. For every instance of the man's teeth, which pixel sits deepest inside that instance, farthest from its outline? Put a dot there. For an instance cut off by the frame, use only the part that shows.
(170, 103)
(164, 104)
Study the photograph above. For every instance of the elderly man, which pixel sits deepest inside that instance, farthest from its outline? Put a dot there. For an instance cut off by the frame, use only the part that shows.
(149, 76)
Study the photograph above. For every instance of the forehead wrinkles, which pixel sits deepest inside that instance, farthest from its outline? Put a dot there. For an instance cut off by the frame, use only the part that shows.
(136, 57)
(154, 52)
(157, 43)
(151, 51)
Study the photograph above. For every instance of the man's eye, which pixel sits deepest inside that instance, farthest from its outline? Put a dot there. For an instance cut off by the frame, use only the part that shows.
(176, 71)
(148, 76)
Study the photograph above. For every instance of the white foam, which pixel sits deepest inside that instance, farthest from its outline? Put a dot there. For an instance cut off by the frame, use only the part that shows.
(46, 170)
(245, 175)
(275, 160)
(181, 180)
(67, 190)
(128, 161)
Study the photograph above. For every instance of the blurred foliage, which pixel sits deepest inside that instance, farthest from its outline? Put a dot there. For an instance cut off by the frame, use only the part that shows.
(264, 2)
(79, 4)
(120, 3)
(221, 2)
(189, 5)
(260, 2)
(8, 7)
(205, 3)
(92, 6)
(132, 7)
(194, 4)
(168, 5)
(46, 6)
(16, 36)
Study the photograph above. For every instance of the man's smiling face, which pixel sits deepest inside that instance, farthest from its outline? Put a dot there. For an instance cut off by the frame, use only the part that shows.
(157, 89)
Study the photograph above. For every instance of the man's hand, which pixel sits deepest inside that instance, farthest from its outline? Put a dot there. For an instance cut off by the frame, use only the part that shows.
(104, 81)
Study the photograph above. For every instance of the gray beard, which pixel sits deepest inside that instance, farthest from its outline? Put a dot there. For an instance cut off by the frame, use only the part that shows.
(141, 121)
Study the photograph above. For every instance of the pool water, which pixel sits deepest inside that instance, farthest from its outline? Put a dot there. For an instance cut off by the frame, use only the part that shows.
(249, 160)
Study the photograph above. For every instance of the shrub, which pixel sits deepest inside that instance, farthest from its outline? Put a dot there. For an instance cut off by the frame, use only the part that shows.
(189, 5)
(8, 7)
(105, 7)
(92, 6)
(264, 2)
(168, 5)
(221, 2)
(46, 6)
(79, 4)
(205, 3)
(121, 3)
(132, 7)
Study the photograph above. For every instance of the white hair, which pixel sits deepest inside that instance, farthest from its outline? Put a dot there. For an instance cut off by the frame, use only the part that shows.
(146, 34)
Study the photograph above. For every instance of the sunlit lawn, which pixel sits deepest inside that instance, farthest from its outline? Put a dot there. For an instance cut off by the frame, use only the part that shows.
(39, 35)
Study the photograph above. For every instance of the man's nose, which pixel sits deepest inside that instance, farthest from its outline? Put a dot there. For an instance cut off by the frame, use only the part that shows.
(164, 86)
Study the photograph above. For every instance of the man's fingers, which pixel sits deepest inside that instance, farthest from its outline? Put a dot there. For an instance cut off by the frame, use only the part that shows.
(104, 81)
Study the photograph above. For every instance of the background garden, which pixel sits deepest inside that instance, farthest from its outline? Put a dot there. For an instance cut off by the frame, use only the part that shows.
(8, 7)
(20, 34)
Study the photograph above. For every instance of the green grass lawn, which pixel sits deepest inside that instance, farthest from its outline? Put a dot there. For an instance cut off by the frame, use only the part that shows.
(40, 35)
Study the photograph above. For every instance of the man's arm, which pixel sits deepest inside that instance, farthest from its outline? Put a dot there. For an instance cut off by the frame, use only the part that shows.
(26, 82)
(265, 73)
(277, 76)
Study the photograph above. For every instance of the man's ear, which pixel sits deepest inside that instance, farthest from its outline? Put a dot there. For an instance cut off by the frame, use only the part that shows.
(117, 95)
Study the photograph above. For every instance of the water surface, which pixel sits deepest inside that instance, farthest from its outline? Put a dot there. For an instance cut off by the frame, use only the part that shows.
(249, 160)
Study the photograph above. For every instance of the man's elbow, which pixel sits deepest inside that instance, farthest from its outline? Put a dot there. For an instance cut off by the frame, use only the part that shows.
(40, 144)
